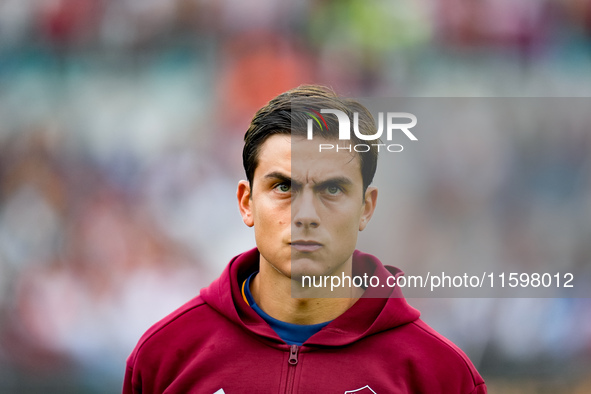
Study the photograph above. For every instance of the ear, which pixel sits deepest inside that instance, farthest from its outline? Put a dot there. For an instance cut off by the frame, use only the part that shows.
(245, 202)
(369, 206)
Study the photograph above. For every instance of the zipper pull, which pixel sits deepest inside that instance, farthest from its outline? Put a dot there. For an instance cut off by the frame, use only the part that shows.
(293, 355)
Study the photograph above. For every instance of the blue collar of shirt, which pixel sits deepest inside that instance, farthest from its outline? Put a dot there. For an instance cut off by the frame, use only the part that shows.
(292, 334)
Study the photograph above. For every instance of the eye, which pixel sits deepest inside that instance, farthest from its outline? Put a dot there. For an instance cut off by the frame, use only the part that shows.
(333, 190)
(283, 187)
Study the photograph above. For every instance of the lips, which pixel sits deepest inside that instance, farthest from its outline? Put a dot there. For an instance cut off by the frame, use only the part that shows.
(306, 246)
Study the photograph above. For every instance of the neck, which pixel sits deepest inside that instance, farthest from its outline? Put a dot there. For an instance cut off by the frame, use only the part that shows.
(272, 291)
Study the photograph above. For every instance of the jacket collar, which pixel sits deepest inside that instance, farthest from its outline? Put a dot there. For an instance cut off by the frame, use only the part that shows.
(378, 310)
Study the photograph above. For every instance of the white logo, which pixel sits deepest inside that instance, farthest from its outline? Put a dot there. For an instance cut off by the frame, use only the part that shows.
(364, 390)
(345, 125)
(220, 391)
(345, 129)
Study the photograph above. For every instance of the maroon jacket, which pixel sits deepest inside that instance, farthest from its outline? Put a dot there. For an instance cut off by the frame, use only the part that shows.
(217, 344)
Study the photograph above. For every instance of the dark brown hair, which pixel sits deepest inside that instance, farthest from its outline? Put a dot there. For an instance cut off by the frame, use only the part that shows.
(288, 113)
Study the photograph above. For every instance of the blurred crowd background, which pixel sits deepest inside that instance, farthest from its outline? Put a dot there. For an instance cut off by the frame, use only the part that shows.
(121, 125)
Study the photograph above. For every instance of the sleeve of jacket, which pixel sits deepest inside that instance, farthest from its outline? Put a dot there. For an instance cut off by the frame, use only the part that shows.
(479, 389)
(128, 386)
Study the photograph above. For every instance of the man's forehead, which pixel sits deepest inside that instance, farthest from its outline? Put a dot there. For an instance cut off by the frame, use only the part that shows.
(310, 165)
(302, 160)
(318, 173)
(303, 149)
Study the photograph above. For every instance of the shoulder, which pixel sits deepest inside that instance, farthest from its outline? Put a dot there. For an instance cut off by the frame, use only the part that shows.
(170, 345)
(441, 355)
(444, 343)
(176, 324)
(432, 362)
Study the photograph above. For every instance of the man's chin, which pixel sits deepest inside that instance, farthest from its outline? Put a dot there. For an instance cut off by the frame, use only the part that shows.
(305, 266)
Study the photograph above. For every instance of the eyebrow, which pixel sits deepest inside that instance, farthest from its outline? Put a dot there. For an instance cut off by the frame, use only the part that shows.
(338, 180)
(275, 175)
(278, 175)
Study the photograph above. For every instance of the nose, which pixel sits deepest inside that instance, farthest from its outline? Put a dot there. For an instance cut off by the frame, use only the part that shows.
(304, 211)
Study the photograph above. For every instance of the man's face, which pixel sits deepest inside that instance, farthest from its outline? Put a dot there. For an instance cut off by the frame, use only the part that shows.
(306, 207)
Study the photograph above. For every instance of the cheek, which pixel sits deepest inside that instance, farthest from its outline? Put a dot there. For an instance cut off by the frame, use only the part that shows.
(277, 220)
(349, 229)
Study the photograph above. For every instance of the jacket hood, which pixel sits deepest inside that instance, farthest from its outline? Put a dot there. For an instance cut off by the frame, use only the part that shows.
(379, 309)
